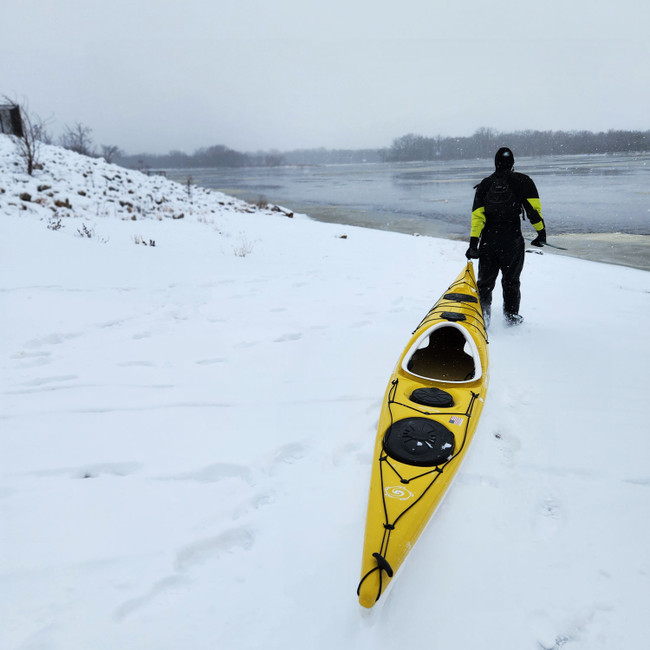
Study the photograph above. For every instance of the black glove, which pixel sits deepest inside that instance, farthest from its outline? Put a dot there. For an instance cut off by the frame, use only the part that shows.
(540, 240)
(472, 252)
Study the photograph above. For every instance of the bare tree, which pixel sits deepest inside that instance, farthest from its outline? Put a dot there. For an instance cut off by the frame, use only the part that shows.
(29, 144)
(110, 152)
(77, 138)
(485, 141)
(42, 134)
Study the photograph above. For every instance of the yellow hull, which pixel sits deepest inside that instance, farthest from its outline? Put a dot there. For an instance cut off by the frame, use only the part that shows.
(429, 414)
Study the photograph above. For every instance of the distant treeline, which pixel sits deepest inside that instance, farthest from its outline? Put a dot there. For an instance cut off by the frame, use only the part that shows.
(485, 142)
(221, 156)
(482, 144)
(216, 156)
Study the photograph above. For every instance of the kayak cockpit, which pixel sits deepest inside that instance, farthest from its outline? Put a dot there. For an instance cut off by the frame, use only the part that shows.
(444, 352)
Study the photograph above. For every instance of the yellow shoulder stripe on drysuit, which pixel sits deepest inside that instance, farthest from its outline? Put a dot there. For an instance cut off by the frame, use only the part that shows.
(478, 221)
(536, 204)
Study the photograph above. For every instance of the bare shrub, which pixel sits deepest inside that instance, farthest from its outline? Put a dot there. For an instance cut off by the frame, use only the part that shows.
(89, 233)
(244, 248)
(139, 240)
(85, 232)
(54, 223)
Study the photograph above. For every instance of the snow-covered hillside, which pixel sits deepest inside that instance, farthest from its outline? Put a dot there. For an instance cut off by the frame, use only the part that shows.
(186, 431)
(71, 186)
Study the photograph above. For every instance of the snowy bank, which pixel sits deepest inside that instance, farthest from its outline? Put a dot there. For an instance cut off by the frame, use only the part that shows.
(187, 428)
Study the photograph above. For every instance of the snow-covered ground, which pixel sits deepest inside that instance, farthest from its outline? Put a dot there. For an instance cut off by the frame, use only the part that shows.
(186, 431)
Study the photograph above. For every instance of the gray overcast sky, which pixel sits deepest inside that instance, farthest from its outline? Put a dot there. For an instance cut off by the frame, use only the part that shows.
(152, 76)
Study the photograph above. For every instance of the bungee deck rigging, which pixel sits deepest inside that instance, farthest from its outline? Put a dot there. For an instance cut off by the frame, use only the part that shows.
(433, 473)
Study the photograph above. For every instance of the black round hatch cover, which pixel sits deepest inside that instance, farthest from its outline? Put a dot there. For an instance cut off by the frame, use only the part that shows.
(418, 441)
(432, 397)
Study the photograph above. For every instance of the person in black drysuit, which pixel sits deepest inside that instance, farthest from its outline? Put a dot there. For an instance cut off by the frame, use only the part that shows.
(498, 204)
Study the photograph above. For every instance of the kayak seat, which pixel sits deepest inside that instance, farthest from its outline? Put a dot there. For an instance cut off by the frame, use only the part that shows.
(444, 357)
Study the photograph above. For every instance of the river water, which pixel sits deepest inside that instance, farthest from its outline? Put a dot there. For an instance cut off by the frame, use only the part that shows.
(597, 206)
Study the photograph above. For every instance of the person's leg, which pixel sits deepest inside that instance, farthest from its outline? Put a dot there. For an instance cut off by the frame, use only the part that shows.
(512, 264)
(488, 270)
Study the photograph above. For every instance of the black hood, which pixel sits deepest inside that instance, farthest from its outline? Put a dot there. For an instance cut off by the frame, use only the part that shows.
(504, 159)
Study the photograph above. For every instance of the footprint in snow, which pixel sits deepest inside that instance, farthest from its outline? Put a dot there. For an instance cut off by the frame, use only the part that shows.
(214, 473)
(509, 444)
(549, 517)
(345, 454)
(43, 381)
(288, 337)
(92, 471)
(645, 482)
(213, 548)
(257, 502)
(164, 591)
(112, 469)
(287, 455)
(52, 339)
(43, 384)
(32, 359)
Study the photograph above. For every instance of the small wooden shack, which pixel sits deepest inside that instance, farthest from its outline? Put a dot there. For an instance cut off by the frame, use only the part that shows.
(11, 122)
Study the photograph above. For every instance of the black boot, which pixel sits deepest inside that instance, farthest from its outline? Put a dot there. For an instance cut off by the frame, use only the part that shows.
(513, 319)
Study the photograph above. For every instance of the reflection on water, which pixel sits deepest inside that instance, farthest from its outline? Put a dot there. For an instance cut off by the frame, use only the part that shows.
(579, 194)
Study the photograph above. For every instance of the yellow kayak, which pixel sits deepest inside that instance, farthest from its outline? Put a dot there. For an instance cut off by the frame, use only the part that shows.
(430, 412)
